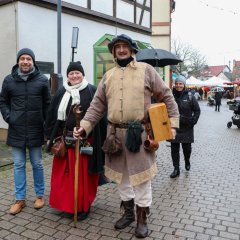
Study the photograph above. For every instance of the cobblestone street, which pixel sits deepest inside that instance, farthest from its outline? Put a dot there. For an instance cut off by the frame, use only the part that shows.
(202, 204)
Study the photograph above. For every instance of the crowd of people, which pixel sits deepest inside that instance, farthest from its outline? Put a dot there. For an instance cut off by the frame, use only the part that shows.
(113, 120)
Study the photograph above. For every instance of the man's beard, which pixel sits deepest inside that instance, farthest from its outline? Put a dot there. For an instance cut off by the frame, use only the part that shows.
(25, 71)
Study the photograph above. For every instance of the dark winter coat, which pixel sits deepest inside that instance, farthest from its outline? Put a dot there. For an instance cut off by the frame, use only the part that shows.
(24, 106)
(189, 111)
(55, 127)
(218, 97)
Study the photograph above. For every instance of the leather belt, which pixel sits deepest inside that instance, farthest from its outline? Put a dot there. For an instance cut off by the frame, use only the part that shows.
(122, 125)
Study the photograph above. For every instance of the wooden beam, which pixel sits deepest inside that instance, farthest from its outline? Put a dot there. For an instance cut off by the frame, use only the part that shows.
(142, 12)
(154, 24)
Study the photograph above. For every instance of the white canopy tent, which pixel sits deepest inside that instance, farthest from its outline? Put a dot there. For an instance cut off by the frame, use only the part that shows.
(215, 81)
(192, 81)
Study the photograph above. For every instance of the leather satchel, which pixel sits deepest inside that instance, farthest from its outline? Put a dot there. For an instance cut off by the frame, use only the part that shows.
(59, 148)
(112, 145)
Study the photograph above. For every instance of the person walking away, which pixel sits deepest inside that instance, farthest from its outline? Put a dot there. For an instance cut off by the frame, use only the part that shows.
(189, 111)
(76, 90)
(200, 91)
(125, 94)
(24, 99)
(218, 97)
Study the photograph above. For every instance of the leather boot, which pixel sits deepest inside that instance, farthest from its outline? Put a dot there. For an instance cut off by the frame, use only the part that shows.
(128, 216)
(175, 173)
(187, 164)
(141, 230)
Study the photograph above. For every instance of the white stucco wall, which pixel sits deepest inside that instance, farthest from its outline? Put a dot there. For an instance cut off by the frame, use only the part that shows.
(43, 38)
(7, 40)
(38, 31)
(8, 44)
(124, 10)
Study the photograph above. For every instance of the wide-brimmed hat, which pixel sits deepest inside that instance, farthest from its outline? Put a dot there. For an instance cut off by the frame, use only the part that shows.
(125, 38)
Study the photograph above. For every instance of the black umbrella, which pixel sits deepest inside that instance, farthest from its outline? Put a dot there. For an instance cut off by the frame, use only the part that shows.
(157, 57)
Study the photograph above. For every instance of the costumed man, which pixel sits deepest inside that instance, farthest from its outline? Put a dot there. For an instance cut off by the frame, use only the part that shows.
(189, 111)
(125, 94)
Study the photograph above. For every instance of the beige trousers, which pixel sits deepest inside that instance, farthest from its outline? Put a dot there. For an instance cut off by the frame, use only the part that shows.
(142, 194)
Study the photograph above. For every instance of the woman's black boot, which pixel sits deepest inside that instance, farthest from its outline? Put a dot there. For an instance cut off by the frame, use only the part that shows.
(175, 173)
(187, 164)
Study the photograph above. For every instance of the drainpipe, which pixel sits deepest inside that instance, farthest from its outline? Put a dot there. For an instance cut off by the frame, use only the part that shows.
(59, 46)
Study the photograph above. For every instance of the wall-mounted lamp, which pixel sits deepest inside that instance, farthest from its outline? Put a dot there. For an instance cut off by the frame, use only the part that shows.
(74, 41)
(173, 5)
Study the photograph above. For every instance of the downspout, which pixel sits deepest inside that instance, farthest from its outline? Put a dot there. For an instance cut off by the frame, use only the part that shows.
(16, 25)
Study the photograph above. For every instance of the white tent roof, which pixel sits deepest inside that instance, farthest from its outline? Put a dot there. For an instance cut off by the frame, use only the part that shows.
(215, 81)
(192, 81)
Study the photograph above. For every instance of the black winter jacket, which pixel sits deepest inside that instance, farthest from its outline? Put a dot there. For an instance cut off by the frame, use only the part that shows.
(218, 97)
(24, 105)
(189, 111)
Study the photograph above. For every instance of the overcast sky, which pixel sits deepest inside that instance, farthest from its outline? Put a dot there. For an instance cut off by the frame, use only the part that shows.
(211, 26)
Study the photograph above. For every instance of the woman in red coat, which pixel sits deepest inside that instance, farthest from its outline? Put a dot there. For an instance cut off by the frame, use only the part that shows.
(60, 115)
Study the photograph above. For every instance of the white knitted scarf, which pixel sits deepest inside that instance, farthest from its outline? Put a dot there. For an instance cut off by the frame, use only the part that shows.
(71, 91)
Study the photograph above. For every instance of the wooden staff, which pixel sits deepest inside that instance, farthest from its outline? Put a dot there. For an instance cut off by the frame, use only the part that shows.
(77, 112)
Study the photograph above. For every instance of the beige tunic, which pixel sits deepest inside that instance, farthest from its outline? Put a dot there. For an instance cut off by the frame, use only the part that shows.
(125, 94)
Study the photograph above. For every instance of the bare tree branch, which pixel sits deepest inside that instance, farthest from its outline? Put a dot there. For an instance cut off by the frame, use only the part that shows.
(193, 61)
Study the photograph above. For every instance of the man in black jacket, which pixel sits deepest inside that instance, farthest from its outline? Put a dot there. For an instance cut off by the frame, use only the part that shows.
(24, 100)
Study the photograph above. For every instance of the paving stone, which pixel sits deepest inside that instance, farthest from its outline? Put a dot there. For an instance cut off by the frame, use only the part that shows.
(31, 234)
(211, 232)
(6, 225)
(20, 221)
(229, 235)
(201, 236)
(14, 236)
(47, 238)
(61, 235)
(78, 232)
(18, 229)
(3, 233)
(46, 230)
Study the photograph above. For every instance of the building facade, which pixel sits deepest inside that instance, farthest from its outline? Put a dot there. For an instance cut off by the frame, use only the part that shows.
(33, 24)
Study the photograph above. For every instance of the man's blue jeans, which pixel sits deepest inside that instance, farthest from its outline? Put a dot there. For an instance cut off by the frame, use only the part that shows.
(19, 158)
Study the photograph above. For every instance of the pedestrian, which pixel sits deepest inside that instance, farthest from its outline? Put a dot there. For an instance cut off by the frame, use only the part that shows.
(189, 111)
(200, 91)
(125, 93)
(197, 95)
(61, 120)
(24, 99)
(217, 97)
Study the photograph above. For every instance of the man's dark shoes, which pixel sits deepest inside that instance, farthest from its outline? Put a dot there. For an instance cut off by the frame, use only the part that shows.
(175, 173)
(128, 216)
(187, 165)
